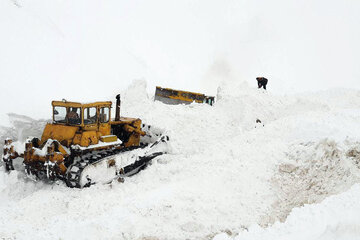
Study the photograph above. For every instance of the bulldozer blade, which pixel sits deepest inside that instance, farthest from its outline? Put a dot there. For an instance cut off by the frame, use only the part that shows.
(173, 97)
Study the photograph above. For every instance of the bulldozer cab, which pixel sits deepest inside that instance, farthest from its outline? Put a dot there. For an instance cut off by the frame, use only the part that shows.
(86, 124)
(83, 115)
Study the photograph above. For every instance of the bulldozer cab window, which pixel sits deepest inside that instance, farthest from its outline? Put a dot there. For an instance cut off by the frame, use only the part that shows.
(104, 114)
(90, 116)
(73, 115)
(60, 114)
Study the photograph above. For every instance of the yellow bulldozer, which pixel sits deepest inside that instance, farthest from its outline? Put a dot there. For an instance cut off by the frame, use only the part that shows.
(173, 96)
(83, 145)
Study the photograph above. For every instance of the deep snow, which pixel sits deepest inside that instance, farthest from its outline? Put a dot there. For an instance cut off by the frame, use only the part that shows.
(335, 218)
(225, 173)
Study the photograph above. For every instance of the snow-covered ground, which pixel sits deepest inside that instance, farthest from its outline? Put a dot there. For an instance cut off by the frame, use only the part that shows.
(295, 175)
(335, 218)
(226, 176)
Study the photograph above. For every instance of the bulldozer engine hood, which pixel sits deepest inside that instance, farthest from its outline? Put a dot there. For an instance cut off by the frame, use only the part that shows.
(62, 133)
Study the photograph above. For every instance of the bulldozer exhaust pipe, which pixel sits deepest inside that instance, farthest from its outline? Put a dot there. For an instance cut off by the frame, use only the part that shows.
(118, 102)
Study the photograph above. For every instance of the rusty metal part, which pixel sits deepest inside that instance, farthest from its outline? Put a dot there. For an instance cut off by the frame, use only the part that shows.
(117, 113)
(132, 129)
(49, 165)
(111, 163)
(9, 154)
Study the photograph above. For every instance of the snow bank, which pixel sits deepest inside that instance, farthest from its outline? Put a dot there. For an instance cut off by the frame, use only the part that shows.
(313, 171)
(334, 218)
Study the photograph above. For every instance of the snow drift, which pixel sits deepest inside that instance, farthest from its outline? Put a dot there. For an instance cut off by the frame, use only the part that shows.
(334, 218)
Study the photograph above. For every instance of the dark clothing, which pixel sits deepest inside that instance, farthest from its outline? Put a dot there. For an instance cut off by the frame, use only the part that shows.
(262, 82)
(73, 117)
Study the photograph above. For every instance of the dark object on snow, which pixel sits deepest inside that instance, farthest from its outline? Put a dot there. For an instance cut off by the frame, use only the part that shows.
(262, 82)
(259, 123)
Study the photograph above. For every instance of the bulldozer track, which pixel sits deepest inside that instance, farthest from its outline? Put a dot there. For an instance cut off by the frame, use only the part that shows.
(73, 174)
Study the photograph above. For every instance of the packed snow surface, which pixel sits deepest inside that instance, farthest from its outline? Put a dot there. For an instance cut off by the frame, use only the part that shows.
(227, 176)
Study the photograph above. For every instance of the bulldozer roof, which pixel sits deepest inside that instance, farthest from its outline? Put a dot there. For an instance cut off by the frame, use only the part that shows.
(77, 104)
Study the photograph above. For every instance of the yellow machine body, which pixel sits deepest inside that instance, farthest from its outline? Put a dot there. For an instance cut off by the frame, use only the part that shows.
(60, 136)
(85, 135)
(172, 96)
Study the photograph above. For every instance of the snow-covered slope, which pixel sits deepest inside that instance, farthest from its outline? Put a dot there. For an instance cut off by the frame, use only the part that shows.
(333, 219)
(226, 172)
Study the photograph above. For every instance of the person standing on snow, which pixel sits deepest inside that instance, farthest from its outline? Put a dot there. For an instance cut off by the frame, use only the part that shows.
(262, 82)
